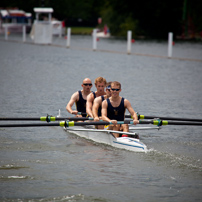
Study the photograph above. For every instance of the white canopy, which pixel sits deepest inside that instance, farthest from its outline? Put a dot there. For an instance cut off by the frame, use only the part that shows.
(43, 10)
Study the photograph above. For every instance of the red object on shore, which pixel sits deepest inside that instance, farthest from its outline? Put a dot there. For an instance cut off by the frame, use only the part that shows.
(133, 40)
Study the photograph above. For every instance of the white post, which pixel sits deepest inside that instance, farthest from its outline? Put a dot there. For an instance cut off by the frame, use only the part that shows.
(6, 33)
(129, 37)
(37, 16)
(68, 37)
(94, 40)
(60, 34)
(24, 33)
(170, 43)
(49, 17)
(29, 21)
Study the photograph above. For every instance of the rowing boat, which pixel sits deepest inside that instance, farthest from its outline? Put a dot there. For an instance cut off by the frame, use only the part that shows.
(87, 128)
(107, 137)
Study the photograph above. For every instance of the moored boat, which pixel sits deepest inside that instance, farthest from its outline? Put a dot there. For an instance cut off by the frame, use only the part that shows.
(14, 19)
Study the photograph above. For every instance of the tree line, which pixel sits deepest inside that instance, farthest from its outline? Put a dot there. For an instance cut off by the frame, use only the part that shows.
(148, 18)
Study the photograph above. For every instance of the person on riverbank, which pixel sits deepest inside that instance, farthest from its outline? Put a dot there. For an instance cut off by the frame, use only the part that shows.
(100, 84)
(97, 105)
(80, 98)
(113, 109)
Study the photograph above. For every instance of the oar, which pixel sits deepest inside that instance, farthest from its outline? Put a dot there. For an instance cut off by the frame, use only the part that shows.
(64, 124)
(44, 118)
(157, 117)
(159, 122)
(100, 130)
(164, 118)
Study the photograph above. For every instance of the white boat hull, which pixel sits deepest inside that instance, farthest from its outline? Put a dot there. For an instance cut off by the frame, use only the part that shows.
(105, 137)
(102, 35)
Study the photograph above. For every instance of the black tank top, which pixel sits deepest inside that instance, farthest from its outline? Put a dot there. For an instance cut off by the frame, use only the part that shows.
(116, 113)
(81, 104)
(100, 108)
(94, 95)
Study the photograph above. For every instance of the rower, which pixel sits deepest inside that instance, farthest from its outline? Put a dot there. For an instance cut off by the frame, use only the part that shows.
(113, 109)
(80, 98)
(97, 104)
(100, 84)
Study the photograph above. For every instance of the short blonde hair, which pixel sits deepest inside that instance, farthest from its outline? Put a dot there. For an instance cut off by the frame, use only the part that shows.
(116, 83)
(100, 80)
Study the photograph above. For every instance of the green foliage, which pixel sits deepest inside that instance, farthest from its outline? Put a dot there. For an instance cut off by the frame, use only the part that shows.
(82, 30)
(119, 24)
(128, 24)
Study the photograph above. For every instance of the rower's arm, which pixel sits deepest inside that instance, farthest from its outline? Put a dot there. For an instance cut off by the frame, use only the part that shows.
(131, 111)
(89, 105)
(96, 105)
(104, 111)
(74, 98)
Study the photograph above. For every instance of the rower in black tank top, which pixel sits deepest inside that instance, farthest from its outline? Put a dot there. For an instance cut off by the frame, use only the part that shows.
(116, 113)
(81, 104)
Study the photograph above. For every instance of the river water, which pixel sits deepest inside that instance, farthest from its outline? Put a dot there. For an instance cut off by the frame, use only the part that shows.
(49, 164)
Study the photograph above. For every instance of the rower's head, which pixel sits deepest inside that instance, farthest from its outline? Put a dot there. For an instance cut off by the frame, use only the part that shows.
(87, 84)
(108, 87)
(100, 84)
(115, 87)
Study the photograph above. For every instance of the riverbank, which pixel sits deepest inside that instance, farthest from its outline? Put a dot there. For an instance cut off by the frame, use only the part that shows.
(82, 30)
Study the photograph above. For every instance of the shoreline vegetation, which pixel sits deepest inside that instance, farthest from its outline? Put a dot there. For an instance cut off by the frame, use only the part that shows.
(82, 30)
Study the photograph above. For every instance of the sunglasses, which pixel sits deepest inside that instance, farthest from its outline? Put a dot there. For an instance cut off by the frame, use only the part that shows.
(115, 89)
(87, 84)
